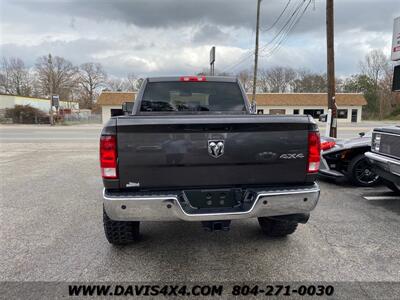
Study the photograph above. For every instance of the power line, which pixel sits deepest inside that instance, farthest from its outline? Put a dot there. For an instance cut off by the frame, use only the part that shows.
(277, 19)
(278, 46)
(290, 23)
(243, 58)
(285, 36)
(250, 52)
(286, 26)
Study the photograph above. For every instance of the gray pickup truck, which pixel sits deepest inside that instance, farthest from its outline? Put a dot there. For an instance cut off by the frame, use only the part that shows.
(385, 155)
(192, 150)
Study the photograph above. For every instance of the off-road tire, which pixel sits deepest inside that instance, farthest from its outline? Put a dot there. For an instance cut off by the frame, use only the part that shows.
(277, 228)
(352, 169)
(120, 232)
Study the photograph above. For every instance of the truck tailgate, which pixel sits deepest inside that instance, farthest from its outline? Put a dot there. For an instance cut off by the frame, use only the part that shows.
(172, 152)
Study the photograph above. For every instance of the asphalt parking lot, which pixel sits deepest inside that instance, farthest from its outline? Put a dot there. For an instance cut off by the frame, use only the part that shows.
(51, 226)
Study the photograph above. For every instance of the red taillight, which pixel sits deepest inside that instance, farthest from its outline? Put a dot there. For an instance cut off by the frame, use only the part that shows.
(108, 156)
(193, 78)
(314, 152)
(327, 145)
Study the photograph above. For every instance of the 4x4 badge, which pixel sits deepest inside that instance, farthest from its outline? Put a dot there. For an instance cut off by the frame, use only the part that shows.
(216, 148)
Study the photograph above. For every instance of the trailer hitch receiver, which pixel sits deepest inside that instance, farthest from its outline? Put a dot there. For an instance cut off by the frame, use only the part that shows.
(216, 225)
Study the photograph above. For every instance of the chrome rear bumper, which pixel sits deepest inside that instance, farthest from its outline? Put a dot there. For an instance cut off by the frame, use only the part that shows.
(126, 207)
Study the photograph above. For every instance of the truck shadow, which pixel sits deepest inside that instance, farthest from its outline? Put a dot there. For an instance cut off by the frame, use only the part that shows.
(181, 251)
(383, 199)
(377, 196)
(392, 205)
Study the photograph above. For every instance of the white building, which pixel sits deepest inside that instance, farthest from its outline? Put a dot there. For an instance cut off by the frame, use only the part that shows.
(9, 101)
(349, 106)
(110, 101)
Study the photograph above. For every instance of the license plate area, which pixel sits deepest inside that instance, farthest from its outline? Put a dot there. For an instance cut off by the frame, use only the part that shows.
(215, 198)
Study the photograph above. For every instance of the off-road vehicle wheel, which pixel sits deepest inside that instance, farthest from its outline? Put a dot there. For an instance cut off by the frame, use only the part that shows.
(277, 228)
(360, 172)
(120, 232)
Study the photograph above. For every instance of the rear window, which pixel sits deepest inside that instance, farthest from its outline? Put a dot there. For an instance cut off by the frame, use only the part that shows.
(175, 97)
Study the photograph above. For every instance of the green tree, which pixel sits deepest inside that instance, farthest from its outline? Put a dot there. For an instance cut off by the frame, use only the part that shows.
(366, 85)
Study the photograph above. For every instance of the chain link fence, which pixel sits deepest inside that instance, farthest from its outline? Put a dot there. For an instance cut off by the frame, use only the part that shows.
(81, 119)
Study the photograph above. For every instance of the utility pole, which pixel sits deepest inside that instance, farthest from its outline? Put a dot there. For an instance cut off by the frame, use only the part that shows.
(256, 53)
(331, 67)
(50, 62)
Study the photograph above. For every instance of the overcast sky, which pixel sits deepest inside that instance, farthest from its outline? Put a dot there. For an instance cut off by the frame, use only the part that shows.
(160, 37)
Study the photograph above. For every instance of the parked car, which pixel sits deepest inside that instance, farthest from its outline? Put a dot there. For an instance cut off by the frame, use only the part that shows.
(192, 149)
(346, 159)
(385, 155)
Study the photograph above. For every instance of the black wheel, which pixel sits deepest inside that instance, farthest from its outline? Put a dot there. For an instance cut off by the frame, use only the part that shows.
(360, 172)
(393, 186)
(120, 232)
(277, 228)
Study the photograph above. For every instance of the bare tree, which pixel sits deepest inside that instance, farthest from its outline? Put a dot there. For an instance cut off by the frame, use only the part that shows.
(133, 82)
(387, 99)
(117, 85)
(262, 82)
(130, 84)
(4, 86)
(375, 65)
(91, 78)
(207, 72)
(139, 82)
(15, 77)
(56, 75)
(246, 79)
(204, 72)
(277, 79)
(308, 82)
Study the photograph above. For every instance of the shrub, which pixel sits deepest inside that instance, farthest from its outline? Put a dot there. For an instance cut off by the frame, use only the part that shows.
(26, 114)
(395, 113)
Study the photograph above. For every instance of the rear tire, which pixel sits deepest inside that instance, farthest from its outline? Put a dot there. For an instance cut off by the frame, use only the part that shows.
(120, 232)
(360, 172)
(394, 187)
(277, 228)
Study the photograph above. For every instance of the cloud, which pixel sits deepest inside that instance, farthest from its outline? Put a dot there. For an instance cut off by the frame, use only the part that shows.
(209, 34)
(364, 14)
(156, 37)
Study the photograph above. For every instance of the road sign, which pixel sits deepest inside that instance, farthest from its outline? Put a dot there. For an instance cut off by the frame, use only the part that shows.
(396, 79)
(396, 40)
(212, 55)
(55, 101)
